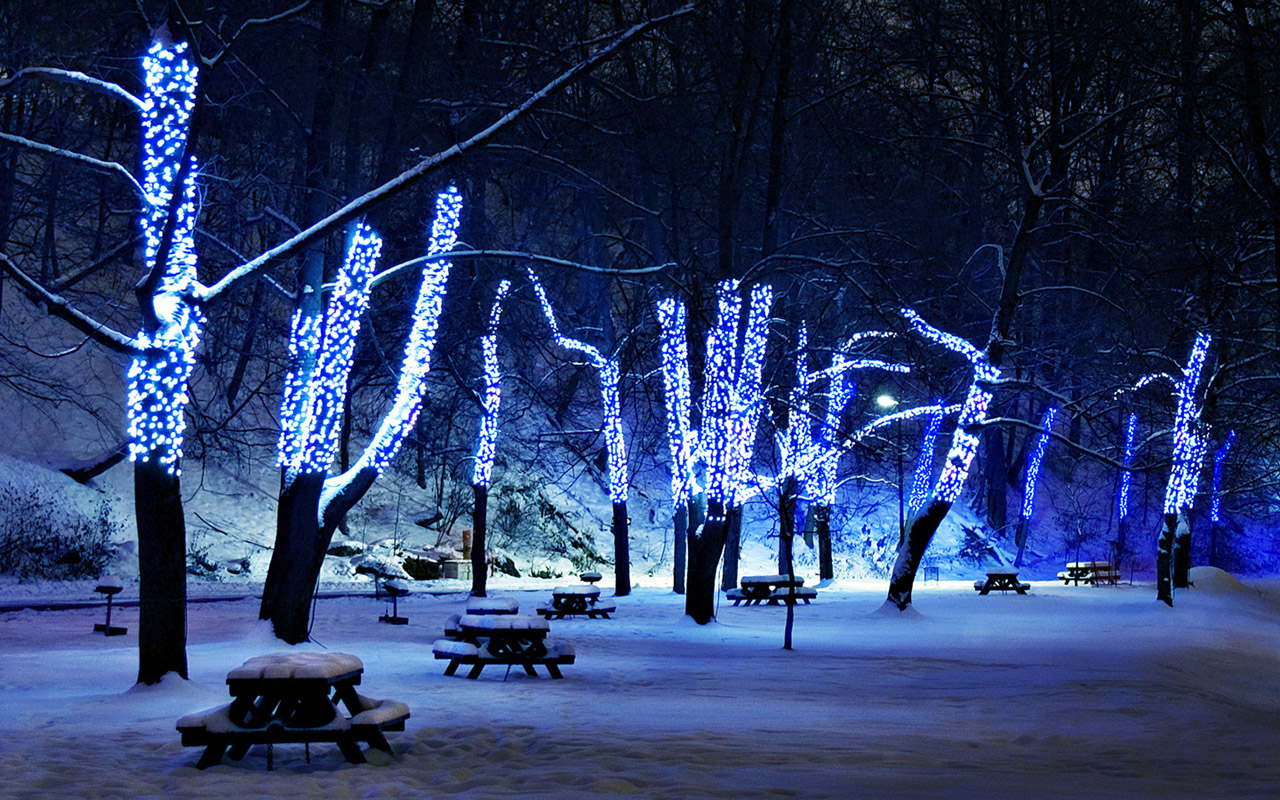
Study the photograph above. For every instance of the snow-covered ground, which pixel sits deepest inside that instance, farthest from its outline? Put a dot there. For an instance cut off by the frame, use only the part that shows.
(1065, 692)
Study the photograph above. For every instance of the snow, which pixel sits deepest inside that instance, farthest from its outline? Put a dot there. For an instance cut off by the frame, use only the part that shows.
(1067, 691)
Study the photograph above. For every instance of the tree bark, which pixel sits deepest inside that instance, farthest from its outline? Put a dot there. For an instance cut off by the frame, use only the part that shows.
(291, 579)
(921, 529)
(1020, 539)
(786, 535)
(1182, 557)
(479, 522)
(162, 573)
(704, 555)
(822, 526)
(680, 522)
(621, 551)
(1164, 559)
(732, 548)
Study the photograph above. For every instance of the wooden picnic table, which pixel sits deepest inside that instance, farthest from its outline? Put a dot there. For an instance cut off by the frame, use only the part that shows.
(771, 589)
(1001, 580)
(1092, 572)
(293, 697)
(508, 639)
(578, 600)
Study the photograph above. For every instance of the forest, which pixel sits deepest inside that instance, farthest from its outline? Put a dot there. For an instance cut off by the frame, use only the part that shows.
(1070, 196)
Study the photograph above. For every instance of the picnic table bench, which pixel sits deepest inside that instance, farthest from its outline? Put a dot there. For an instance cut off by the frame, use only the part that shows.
(292, 698)
(571, 601)
(771, 590)
(509, 639)
(1001, 580)
(1091, 572)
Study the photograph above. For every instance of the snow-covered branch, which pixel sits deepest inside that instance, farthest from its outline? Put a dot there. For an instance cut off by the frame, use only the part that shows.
(379, 194)
(58, 306)
(95, 164)
(73, 77)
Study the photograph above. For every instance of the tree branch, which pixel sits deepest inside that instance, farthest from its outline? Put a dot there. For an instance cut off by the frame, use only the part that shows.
(58, 306)
(380, 194)
(107, 167)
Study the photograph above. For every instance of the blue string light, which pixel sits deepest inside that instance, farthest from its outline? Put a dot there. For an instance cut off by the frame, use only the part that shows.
(1189, 446)
(964, 442)
(1033, 466)
(320, 428)
(1126, 472)
(921, 477)
(1215, 507)
(403, 415)
(717, 392)
(748, 397)
(607, 372)
(677, 393)
(157, 379)
(486, 446)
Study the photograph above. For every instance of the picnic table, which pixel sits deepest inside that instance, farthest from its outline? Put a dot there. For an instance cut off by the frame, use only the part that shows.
(510, 639)
(772, 590)
(1001, 580)
(1091, 572)
(579, 600)
(480, 606)
(293, 698)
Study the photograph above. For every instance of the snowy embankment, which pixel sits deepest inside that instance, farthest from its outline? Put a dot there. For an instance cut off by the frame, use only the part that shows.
(1064, 692)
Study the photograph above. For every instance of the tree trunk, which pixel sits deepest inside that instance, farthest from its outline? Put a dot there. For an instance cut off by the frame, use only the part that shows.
(299, 549)
(479, 520)
(1020, 539)
(621, 551)
(704, 556)
(1182, 556)
(1122, 534)
(732, 548)
(1164, 559)
(162, 573)
(921, 531)
(786, 535)
(1215, 537)
(680, 522)
(997, 475)
(822, 526)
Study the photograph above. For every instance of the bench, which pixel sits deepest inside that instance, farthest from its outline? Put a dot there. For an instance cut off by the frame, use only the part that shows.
(1090, 572)
(478, 657)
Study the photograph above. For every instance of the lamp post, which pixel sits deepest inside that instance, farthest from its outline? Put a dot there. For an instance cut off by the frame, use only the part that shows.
(887, 403)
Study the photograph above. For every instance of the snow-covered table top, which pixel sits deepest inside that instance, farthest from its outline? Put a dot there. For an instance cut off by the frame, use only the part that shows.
(590, 591)
(297, 665)
(771, 579)
(1002, 571)
(492, 605)
(503, 622)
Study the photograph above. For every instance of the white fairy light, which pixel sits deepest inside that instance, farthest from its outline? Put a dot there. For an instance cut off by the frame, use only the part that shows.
(295, 402)
(608, 373)
(157, 378)
(486, 446)
(1033, 466)
(747, 393)
(718, 390)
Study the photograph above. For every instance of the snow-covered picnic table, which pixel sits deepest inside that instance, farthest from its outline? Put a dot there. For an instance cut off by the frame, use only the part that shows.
(1001, 579)
(771, 589)
(577, 600)
(293, 697)
(509, 639)
(1094, 572)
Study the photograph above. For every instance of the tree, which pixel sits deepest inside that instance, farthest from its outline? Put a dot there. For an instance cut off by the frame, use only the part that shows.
(486, 445)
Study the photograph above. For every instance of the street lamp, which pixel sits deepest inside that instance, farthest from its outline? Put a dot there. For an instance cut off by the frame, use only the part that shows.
(887, 403)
